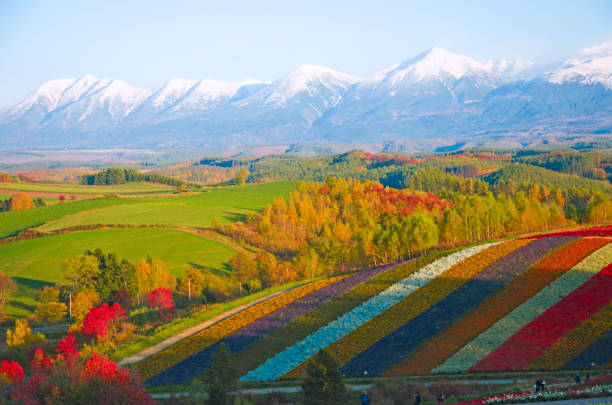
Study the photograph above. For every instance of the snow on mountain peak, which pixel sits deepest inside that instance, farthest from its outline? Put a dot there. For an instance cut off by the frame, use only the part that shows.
(310, 79)
(588, 66)
(436, 62)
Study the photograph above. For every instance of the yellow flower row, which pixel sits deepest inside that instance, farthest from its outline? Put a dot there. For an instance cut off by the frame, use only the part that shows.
(576, 341)
(431, 293)
(201, 340)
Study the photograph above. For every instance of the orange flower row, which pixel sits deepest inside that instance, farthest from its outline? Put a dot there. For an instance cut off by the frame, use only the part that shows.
(201, 340)
(436, 350)
(377, 328)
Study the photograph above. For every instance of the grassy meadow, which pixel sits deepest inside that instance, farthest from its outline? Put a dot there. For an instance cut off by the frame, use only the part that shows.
(129, 188)
(36, 262)
(199, 210)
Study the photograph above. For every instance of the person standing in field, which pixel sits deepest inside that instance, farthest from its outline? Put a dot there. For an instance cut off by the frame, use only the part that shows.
(365, 398)
(417, 399)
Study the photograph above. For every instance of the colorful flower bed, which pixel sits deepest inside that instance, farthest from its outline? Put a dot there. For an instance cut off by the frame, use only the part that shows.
(291, 357)
(491, 273)
(490, 339)
(238, 340)
(536, 337)
(594, 231)
(575, 342)
(598, 354)
(193, 344)
(298, 329)
(598, 387)
(436, 350)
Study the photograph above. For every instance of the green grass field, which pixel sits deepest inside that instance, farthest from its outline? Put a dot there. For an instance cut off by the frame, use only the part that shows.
(129, 188)
(35, 262)
(200, 210)
(12, 222)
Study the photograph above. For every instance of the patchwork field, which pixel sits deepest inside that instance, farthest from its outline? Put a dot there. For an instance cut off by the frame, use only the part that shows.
(199, 209)
(225, 205)
(38, 261)
(543, 303)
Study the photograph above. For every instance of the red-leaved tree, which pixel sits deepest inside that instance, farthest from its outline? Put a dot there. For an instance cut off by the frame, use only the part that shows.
(71, 380)
(161, 299)
(11, 371)
(102, 323)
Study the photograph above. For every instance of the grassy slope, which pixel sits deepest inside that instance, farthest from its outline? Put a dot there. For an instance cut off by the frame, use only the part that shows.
(227, 204)
(128, 188)
(12, 222)
(36, 261)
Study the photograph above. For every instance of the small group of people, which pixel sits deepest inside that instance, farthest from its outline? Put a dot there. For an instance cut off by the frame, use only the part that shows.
(540, 385)
(578, 379)
(365, 398)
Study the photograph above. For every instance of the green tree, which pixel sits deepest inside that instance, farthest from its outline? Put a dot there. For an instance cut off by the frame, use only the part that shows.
(323, 384)
(222, 376)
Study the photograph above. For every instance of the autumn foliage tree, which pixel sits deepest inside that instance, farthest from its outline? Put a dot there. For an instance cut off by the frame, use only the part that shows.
(20, 201)
(103, 323)
(49, 310)
(161, 299)
(82, 303)
(70, 378)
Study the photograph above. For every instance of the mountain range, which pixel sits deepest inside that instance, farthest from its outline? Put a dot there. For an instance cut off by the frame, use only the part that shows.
(436, 95)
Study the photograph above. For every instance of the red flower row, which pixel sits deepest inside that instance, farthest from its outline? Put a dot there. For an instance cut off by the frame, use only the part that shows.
(595, 231)
(540, 334)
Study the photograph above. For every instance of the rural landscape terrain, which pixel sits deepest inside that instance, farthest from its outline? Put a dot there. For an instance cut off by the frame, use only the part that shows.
(305, 203)
(417, 267)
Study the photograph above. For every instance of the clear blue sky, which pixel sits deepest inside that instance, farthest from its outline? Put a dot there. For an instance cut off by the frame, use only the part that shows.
(147, 42)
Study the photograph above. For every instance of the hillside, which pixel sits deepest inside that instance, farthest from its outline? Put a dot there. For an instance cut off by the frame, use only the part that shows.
(488, 307)
(165, 226)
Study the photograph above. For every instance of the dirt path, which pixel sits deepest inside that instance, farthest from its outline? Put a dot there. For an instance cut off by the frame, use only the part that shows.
(135, 358)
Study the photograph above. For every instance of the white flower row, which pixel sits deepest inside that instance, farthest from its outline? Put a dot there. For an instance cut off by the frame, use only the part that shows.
(292, 356)
(547, 395)
(487, 341)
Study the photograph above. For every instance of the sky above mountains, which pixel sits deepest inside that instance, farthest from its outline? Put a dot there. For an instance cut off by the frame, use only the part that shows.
(147, 42)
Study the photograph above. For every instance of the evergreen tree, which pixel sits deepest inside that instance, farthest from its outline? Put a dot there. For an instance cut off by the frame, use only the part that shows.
(323, 384)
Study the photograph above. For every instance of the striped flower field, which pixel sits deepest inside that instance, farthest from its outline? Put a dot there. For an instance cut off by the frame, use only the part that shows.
(540, 303)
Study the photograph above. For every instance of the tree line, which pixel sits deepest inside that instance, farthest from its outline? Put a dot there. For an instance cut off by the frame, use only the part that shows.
(117, 175)
(340, 225)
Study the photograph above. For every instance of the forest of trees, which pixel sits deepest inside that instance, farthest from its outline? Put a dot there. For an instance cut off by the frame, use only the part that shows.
(117, 175)
(339, 225)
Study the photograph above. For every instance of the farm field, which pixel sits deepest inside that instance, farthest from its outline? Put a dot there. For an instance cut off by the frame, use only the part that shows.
(481, 309)
(129, 188)
(200, 210)
(37, 261)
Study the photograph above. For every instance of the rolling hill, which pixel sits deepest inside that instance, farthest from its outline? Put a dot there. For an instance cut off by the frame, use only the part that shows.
(536, 303)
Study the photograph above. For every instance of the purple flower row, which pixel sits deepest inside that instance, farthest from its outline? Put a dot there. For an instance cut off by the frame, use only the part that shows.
(196, 364)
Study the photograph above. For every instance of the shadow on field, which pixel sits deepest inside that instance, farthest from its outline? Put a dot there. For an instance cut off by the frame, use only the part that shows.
(217, 272)
(234, 216)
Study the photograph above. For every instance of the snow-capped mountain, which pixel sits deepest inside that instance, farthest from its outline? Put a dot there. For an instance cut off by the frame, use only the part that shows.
(588, 66)
(436, 94)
